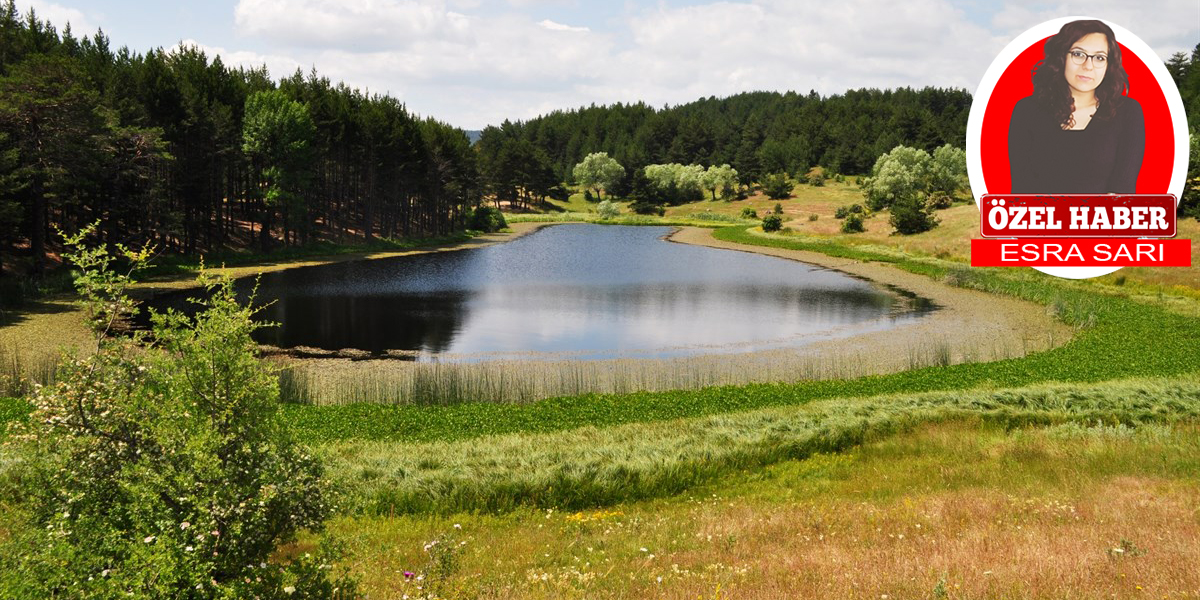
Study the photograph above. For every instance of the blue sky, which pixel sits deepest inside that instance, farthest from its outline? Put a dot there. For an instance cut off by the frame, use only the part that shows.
(477, 62)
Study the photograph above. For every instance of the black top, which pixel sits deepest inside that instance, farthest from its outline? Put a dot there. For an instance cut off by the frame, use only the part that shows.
(1102, 158)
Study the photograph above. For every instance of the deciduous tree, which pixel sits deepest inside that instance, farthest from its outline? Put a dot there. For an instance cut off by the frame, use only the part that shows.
(598, 171)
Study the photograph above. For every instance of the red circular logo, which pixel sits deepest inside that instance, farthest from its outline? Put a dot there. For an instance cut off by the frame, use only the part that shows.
(1017, 83)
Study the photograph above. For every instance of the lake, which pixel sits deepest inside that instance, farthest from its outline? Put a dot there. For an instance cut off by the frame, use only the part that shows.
(574, 291)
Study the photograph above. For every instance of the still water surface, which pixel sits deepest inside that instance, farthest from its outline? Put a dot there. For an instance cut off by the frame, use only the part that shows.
(579, 291)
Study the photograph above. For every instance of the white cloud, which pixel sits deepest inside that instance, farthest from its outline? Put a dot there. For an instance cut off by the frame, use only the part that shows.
(361, 24)
(278, 66)
(471, 64)
(724, 48)
(551, 25)
(59, 15)
(1167, 26)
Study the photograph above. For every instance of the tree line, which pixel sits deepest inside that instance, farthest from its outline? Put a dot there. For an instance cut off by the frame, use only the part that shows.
(173, 148)
(756, 133)
(177, 149)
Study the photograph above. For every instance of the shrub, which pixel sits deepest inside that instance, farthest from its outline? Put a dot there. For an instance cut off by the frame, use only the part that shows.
(778, 186)
(815, 177)
(813, 217)
(838, 177)
(749, 213)
(162, 472)
(560, 192)
(587, 195)
(912, 215)
(940, 200)
(778, 209)
(772, 223)
(608, 210)
(853, 224)
(647, 208)
(842, 211)
(486, 218)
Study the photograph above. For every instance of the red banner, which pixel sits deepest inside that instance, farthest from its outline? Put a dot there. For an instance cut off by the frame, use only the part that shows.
(1075, 252)
(1077, 215)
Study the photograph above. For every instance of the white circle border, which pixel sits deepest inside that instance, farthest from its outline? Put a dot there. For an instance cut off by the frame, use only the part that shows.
(1018, 45)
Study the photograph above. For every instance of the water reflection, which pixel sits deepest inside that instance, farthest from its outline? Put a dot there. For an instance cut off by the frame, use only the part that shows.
(597, 291)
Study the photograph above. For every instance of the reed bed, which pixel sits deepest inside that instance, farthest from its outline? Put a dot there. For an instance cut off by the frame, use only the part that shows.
(20, 371)
(701, 219)
(589, 466)
(342, 381)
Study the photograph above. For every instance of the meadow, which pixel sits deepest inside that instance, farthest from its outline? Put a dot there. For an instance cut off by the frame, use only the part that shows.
(964, 509)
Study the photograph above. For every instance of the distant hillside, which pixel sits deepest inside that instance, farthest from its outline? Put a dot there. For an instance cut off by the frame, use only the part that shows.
(756, 132)
(473, 134)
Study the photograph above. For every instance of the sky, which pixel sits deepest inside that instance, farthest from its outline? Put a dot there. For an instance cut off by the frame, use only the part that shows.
(473, 63)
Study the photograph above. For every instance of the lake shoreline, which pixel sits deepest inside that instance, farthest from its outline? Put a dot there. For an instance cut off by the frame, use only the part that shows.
(968, 326)
(39, 332)
(965, 319)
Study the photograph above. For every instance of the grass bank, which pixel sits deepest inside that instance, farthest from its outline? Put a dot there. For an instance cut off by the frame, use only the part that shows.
(595, 466)
(960, 509)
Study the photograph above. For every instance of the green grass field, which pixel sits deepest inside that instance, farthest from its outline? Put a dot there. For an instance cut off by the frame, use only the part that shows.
(966, 509)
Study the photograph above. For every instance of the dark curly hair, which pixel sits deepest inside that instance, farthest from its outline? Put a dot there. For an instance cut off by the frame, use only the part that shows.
(1050, 87)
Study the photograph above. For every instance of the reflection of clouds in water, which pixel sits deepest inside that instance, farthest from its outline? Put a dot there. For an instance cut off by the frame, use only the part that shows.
(566, 288)
(649, 317)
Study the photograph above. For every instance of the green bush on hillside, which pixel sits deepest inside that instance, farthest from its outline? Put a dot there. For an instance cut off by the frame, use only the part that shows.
(843, 211)
(486, 218)
(815, 177)
(853, 224)
(912, 215)
(162, 471)
(778, 186)
(772, 223)
(647, 208)
(607, 210)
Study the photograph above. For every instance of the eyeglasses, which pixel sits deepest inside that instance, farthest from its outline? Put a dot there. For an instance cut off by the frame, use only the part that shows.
(1079, 57)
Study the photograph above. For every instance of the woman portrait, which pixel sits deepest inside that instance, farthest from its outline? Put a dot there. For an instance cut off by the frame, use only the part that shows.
(1078, 133)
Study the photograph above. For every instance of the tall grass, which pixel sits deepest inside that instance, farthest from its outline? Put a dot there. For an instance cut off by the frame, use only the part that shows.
(19, 371)
(702, 219)
(338, 381)
(589, 466)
